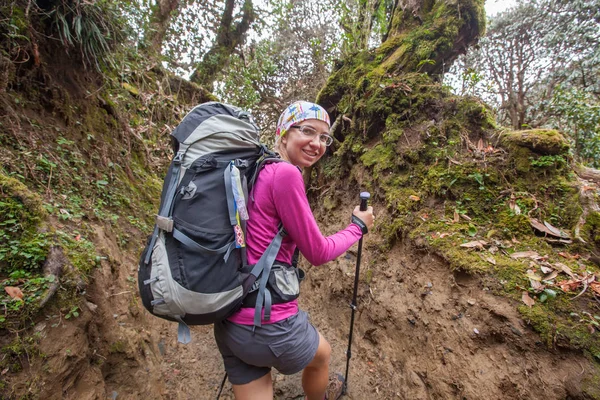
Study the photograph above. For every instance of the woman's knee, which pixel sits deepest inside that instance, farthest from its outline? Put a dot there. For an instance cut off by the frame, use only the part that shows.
(323, 354)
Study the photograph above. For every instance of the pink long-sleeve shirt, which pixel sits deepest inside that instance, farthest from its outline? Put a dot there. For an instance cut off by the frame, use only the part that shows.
(279, 196)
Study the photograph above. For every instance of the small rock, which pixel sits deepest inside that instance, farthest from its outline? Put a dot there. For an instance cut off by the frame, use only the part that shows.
(457, 316)
(91, 306)
(161, 347)
(471, 302)
(516, 331)
(476, 331)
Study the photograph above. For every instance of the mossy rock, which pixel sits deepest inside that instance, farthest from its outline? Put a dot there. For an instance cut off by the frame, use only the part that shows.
(546, 142)
(11, 190)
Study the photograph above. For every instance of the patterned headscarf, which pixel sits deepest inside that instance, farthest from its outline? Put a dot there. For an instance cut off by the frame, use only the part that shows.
(298, 112)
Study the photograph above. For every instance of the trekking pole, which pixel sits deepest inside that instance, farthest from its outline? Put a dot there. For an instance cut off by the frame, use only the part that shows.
(364, 198)
(222, 385)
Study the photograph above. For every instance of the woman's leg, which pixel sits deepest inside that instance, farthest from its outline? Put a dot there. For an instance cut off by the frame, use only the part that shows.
(259, 389)
(316, 374)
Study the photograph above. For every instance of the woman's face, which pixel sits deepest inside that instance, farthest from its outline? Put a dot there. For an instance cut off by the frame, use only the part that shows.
(300, 149)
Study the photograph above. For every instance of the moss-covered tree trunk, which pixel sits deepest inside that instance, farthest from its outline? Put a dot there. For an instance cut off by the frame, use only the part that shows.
(425, 36)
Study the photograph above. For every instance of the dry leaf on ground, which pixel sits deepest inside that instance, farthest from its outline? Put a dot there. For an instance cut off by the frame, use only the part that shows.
(565, 269)
(14, 292)
(548, 229)
(570, 285)
(490, 259)
(556, 232)
(525, 254)
(546, 270)
(527, 300)
(474, 244)
(550, 276)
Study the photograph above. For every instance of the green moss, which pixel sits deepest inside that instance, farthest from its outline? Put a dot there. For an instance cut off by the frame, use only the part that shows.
(539, 141)
(22, 246)
(591, 228)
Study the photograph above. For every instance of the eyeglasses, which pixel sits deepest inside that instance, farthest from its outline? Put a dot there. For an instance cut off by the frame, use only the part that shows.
(312, 132)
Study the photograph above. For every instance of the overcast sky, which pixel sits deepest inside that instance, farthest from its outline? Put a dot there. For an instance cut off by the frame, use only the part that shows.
(493, 7)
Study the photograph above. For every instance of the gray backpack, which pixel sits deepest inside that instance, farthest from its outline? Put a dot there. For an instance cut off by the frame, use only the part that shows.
(193, 269)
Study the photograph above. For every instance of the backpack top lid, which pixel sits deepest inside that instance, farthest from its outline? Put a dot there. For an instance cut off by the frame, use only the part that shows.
(213, 118)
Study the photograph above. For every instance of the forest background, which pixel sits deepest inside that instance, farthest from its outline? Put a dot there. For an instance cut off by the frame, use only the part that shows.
(445, 116)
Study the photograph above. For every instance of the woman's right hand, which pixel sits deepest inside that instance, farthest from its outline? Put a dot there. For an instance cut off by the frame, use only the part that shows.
(365, 216)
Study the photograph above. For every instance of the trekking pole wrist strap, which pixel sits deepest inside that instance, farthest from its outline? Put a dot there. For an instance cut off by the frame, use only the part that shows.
(361, 224)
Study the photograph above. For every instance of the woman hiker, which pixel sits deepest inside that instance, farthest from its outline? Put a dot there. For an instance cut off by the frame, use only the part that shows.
(287, 341)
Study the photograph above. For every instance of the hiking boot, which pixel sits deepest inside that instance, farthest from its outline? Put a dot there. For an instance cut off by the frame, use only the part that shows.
(335, 388)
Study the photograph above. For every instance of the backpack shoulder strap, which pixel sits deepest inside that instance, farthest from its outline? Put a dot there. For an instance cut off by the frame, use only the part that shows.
(268, 157)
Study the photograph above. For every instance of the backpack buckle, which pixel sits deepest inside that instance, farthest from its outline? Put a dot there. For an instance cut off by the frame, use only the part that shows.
(239, 163)
(164, 223)
(178, 157)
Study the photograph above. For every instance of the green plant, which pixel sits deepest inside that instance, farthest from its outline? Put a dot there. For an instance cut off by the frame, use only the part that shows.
(548, 161)
(73, 312)
(92, 27)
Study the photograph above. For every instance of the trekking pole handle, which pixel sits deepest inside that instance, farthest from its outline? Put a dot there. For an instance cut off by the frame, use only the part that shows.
(364, 199)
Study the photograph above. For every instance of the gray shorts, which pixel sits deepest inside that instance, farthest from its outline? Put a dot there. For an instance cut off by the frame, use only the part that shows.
(288, 345)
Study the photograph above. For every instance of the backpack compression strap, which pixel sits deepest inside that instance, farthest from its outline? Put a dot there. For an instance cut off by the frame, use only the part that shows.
(263, 266)
(163, 219)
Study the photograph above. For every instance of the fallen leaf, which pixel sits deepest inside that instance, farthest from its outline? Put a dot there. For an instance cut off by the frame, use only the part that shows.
(480, 146)
(14, 292)
(414, 198)
(465, 216)
(456, 217)
(546, 270)
(535, 281)
(525, 254)
(566, 270)
(550, 276)
(570, 285)
(490, 259)
(532, 275)
(529, 302)
(556, 232)
(548, 229)
(476, 243)
(443, 235)
(595, 286)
